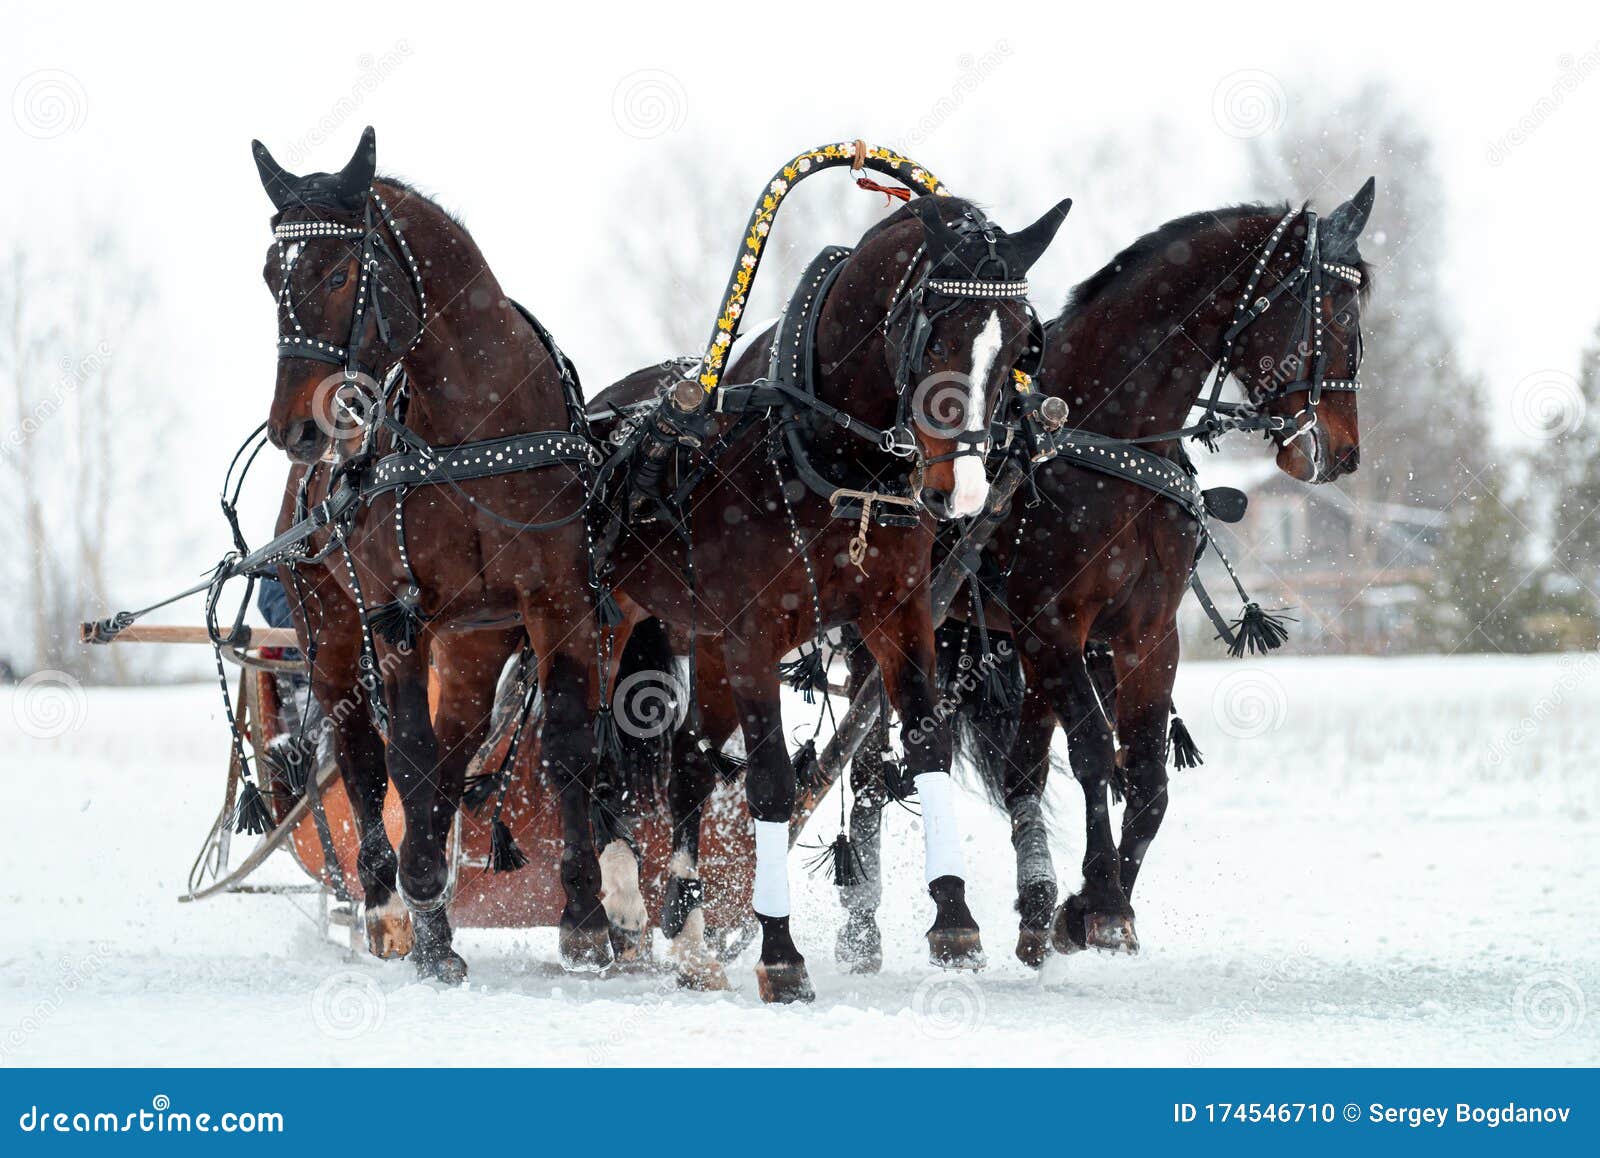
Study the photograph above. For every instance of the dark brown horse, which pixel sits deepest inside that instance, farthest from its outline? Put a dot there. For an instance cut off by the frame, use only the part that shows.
(392, 324)
(1090, 580)
(914, 340)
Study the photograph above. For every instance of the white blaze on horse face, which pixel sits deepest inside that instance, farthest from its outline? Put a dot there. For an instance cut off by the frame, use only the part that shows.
(771, 895)
(972, 484)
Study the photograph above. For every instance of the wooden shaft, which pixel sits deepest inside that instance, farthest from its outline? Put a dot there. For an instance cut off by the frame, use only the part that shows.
(172, 633)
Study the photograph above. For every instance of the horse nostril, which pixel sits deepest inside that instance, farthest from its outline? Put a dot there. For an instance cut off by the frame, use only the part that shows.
(299, 440)
(937, 502)
(1350, 459)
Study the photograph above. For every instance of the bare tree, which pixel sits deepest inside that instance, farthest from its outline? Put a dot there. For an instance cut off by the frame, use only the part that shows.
(80, 411)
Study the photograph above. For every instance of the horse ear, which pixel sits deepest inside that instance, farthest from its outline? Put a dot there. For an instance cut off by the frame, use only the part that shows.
(1029, 245)
(354, 181)
(1344, 225)
(275, 179)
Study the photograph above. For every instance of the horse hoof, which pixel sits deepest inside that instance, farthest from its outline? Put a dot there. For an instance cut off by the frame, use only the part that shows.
(783, 984)
(585, 950)
(956, 949)
(388, 930)
(1110, 933)
(449, 968)
(698, 971)
(1033, 946)
(859, 948)
(630, 946)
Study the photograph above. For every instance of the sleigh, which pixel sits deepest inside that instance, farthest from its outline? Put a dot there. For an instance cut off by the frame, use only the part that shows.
(314, 826)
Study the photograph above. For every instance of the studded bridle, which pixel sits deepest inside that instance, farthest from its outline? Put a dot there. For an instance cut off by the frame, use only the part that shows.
(295, 342)
(932, 295)
(1307, 344)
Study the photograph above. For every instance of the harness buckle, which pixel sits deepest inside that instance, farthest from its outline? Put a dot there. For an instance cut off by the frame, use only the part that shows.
(899, 442)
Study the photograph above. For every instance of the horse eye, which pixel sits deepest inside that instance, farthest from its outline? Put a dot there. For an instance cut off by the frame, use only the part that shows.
(938, 348)
(338, 279)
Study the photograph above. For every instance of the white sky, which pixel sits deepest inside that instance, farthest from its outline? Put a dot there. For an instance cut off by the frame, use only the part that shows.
(508, 115)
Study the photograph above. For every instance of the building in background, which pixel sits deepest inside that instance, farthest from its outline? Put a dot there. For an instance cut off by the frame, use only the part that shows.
(1356, 575)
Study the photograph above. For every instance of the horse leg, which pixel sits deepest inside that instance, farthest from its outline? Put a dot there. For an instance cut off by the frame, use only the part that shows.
(358, 749)
(769, 786)
(1026, 771)
(859, 948)
(567, 758)
(694, 779)
(1099, 916)
(903, 644)
(414, 766)
(1143, 704)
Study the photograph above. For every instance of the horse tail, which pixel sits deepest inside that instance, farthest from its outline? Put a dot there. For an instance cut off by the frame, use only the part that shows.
(988, 692)
(649, 704)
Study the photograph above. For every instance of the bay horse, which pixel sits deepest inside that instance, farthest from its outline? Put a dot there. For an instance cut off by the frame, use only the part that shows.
(911, 339)
(397, 339)
(1088, 581)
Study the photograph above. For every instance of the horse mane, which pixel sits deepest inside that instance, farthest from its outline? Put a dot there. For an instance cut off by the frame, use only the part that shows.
(1132, 260)
(408, 188)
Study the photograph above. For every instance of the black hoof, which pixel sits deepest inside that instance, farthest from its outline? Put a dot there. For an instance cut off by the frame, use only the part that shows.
(1078, 927)
(953, 942)
(956, 949)
(585, 950)
(1033, 946)
(449, 967)
(785, 983)
(859, 948)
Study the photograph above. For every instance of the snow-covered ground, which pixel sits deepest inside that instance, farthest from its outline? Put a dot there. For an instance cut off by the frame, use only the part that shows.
(1382, 862)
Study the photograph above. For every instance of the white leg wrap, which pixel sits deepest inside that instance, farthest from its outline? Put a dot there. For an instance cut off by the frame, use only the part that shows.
(942, 837)
(771, 896)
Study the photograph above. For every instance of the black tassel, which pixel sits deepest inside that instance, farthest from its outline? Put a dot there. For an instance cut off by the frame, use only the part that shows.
(609, 821)
(728, 768)
(397, 622)
(1185, 754)
(252, 815)
(479, 791)
(504, 855)
(998, 693)
(839, 860)
(807, 675)
(1257, 632)
(293, 772)
(606, 610)
(606, 740)
(1208, 437)
(807, 772)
